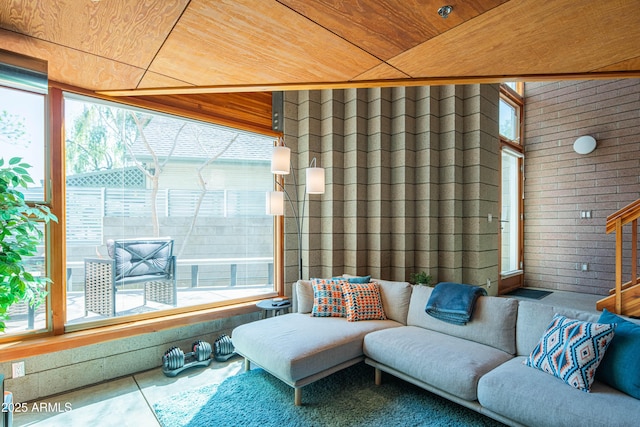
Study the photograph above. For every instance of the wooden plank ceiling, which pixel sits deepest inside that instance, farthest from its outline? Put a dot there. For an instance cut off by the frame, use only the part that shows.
(128, 47)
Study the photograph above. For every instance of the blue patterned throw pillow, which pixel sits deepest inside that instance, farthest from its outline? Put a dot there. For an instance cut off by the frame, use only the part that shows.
(328, 300)
(572, 350)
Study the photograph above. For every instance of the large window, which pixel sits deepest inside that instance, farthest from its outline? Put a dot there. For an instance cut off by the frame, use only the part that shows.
(510, 218)
(157, 214)
(22, 135)
(135, 178)
(511, 195)
(509, 120)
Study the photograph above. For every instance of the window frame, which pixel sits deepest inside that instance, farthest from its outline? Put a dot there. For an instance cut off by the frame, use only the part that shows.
(515, 100)
(98, 331)
(510, 280)
(46, 199)
(518, 91)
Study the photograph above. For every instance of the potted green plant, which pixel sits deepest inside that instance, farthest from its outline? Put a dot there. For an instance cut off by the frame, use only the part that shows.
(421, 278)
(19, 239)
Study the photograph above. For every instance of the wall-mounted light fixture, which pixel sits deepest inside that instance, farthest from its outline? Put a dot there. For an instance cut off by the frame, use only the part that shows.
(584, 145)
(281, 165)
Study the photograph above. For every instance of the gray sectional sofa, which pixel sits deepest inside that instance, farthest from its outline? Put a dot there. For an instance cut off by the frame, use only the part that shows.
(478, 365)
(299, 349)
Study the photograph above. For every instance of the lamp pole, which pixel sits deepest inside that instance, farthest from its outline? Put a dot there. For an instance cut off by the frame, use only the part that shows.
(281, 165)
(299, 222)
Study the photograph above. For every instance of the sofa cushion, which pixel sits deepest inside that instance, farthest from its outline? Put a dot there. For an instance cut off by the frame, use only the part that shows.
(493, 322)
(533, 319)
(395, 299)
(304, 296)
(535, 398)
(451, 364)
(328, 299)
(295, 346)
(572, 350)
(363, 301)
(620, 367)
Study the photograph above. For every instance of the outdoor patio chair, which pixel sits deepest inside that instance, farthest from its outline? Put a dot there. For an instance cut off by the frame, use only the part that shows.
(149, 261)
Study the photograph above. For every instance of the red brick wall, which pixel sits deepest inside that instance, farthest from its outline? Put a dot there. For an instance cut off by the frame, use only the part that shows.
(560, 183)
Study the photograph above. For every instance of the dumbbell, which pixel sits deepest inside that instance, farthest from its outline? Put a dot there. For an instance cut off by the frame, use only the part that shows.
(175, 360)
(223, 348)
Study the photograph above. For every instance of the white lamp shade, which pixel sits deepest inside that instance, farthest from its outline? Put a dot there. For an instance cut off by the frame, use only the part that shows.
(280, 160)
(275, 203)
(315, 180)
(584, 144)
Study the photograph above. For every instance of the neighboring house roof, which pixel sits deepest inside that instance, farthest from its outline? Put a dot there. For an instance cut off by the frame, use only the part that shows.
(197, 141)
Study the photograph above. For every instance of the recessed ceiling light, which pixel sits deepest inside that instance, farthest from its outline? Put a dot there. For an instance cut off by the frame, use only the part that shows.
(444, 11)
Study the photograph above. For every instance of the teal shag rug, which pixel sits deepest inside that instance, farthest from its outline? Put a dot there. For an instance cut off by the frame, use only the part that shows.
(346, 398)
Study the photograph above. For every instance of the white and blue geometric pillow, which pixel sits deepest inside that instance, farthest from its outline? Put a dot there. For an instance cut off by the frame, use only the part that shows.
(572, 350)
(328, 299)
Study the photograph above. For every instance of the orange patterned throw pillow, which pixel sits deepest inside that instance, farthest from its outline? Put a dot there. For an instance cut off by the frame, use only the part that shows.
(363, 301)
(328, 300)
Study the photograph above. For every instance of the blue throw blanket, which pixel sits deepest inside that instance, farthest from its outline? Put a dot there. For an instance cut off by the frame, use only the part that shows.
(453, 302)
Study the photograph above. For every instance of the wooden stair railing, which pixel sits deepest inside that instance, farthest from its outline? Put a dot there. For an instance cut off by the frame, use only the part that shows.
(624, 298)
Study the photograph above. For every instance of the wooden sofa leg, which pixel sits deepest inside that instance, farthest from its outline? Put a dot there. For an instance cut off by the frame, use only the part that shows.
(297, 396)
(378, 376)
(247, 364)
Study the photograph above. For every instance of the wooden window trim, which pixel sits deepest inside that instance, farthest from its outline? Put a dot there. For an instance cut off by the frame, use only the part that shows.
(517, 101)
(516, 280)
(514, 146)
(38, 345)
(514, 96)
(258, 120)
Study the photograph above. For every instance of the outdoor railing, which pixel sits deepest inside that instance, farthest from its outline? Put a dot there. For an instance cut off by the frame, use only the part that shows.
(195, 264)
(232, 262)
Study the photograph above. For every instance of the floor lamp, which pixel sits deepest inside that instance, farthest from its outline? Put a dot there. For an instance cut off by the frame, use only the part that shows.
(314, 184)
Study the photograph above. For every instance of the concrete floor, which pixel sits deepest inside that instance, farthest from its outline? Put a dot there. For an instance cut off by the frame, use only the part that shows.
(586, 302)
(122, 402)
(128, 401)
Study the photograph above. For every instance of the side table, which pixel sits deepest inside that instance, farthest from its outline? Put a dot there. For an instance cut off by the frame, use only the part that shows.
(267, 306)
